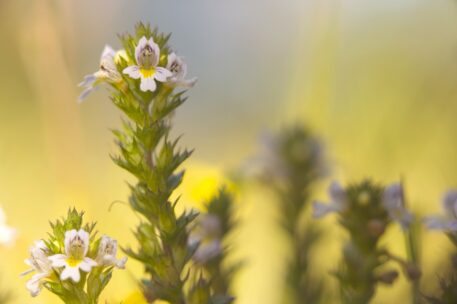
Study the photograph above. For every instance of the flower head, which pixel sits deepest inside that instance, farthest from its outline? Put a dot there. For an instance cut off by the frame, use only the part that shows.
(337, 204)
(40, 265)
(178, 69)
(108, 72)
(107, 251)
(74, 259)
(7, 234)
(448, 222)
(147, 55)
(394, 202)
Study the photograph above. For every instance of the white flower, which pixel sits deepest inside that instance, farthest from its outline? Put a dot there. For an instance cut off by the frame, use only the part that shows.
(448, 222)
(394, 202)
(107, 72)
(178, 68)
(40, 264)
(74, 259)
(107, 251)
(338, 201)
(147, 55)
(7, 234)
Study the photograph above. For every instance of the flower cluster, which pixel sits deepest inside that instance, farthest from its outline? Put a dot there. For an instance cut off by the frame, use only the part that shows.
(71, 257)
(209, 236)
(145, 66)
(365, 210)
(7, 233)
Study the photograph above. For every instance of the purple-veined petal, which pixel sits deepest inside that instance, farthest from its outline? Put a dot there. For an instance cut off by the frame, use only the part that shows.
(58, 260)
(133, 71)
(148, 84)
(141, 44)
(162, 74)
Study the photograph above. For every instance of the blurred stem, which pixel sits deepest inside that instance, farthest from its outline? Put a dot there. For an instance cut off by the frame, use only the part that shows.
(412, 252)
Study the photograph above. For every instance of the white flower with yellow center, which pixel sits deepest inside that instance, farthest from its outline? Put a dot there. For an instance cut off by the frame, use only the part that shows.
(40, 264)
(7, 234)
(107, 251)
(178, 69)
(107, 72)
(74, 259)
(147, 55)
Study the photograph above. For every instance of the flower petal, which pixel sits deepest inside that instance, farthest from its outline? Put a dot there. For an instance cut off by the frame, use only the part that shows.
(140, 46)
(87, 264)
(436, 223)
(133, 71)
(70, 273)
(320, 209)
(88, 80)
(108, 51)
(148, 84)
(58, 260)
(162, 74)
(121, 263)
(187, 84)
(34, 284)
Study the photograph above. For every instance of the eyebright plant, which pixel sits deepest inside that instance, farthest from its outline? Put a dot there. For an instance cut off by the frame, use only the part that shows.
(365, 210)
(147, 78)
(447, 224)
(213, 227)
(290, 163)
(73, 262)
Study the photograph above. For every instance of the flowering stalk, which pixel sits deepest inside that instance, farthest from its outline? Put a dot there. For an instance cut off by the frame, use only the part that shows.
(213, 228)
(447, 224)
(395, 201)
(366, 209)
(290, 164)
(72, 263)
(144, 76)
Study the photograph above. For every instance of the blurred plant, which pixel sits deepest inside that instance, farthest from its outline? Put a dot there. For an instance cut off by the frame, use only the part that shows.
(446, 223)
(7, 234)
(72, 262)
(210, 234)
(290, 163)
(144, 76)
(394, 200)
(365, 210)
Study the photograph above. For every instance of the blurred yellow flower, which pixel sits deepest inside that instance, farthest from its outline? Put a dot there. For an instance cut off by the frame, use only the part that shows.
(135, 297)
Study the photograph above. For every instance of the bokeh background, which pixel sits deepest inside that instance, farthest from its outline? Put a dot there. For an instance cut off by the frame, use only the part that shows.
(375, 79)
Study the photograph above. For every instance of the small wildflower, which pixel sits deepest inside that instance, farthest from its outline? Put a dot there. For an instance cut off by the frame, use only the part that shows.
(147, 55)
(107, 72)
(7, 234)
(448, 222)
(74, 259)
(107, 251)
(394, 202)
(178, 68)
(338, 201)
(40, 264)
(207, 251)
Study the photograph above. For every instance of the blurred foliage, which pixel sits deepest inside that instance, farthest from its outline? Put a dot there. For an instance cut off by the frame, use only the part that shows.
(291, 162)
